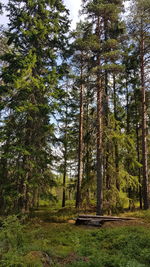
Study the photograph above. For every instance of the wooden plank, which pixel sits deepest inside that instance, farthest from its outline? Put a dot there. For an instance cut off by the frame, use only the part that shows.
(106, 217)
(89, 219)
(86, 221)
(89, 222)
(94, 221)
(97, 220)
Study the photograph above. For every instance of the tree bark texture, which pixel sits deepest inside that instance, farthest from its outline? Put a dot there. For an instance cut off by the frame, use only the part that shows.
(116, 144)
(65, 160)
(99, 133)
(144, 123)
(80, 152)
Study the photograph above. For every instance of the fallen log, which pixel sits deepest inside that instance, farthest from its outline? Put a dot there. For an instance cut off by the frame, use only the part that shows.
(84, 221)
(106, 217)
(97, 220)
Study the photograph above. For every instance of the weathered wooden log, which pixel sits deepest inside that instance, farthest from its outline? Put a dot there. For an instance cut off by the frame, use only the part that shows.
(83, 221)
(98, 220)
(106, 217)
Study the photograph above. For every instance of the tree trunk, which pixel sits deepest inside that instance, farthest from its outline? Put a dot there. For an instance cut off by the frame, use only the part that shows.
(87, 148)
(106, 107)
(22, 199)
(116, 144)
(64, 183)
(65, 160)
(99, 149)
(99, 133)
(80, 155)
(128, 132)
(138, 158)
(144, 124)
(138, 146)
(107, 154)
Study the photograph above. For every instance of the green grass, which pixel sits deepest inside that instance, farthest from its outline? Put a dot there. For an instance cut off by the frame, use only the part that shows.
(55, 215)
(144, 215)
(76, 246)
(116, 247)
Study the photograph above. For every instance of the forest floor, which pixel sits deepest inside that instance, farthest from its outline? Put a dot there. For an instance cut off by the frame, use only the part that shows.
(51, 238)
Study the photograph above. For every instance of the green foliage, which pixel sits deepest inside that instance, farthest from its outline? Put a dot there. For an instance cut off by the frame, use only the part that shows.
(56, 214)
(144, 215)
(12, 242)
(12, 232)
(114, 247)
(80, 246)
(36, 36)
(40, 81)
(68, 244)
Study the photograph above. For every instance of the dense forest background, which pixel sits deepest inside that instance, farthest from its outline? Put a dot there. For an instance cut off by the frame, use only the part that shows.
(74, 106)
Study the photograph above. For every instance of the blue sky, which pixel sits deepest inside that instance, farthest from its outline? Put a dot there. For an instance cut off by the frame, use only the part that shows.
(72, 5)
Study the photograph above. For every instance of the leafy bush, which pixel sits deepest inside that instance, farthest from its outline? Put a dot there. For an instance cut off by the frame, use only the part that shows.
(14, 245)
(12, 241)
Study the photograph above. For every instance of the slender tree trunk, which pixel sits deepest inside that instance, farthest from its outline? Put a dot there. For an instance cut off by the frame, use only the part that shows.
(99, 133)
(107, 171)
(87, 164)
(3, 178)
(23, 193)
(108, 176)
(128, 132)
(138, 158)
(99, 149)
(25, 199)
(144, 124)
(5, 175)
(80, 153)
(23, 202)
(64, 180)
(65, 159)
(138, 147)
(116, 144)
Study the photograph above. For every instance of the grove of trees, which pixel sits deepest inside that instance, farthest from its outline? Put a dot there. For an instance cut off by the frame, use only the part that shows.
(74, 105)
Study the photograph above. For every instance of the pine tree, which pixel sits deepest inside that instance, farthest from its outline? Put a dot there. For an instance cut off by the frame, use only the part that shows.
(84, 84)
(66, 135)
(36, 35)
(140, 32)
(79, 60)
(104, 18)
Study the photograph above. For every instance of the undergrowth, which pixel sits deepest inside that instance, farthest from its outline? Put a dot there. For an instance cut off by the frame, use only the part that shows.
(143, 214)
(64, 244)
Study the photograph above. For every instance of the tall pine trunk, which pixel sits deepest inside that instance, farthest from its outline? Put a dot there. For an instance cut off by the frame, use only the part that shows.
(99, 133)
(138, 145)
(128, 132)
(99, 148)
(107, 171)
(64, 184)
(144, 122)
(80, 152)
(116, 143)
(65, 159)
(138, 159)
(64, 178)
